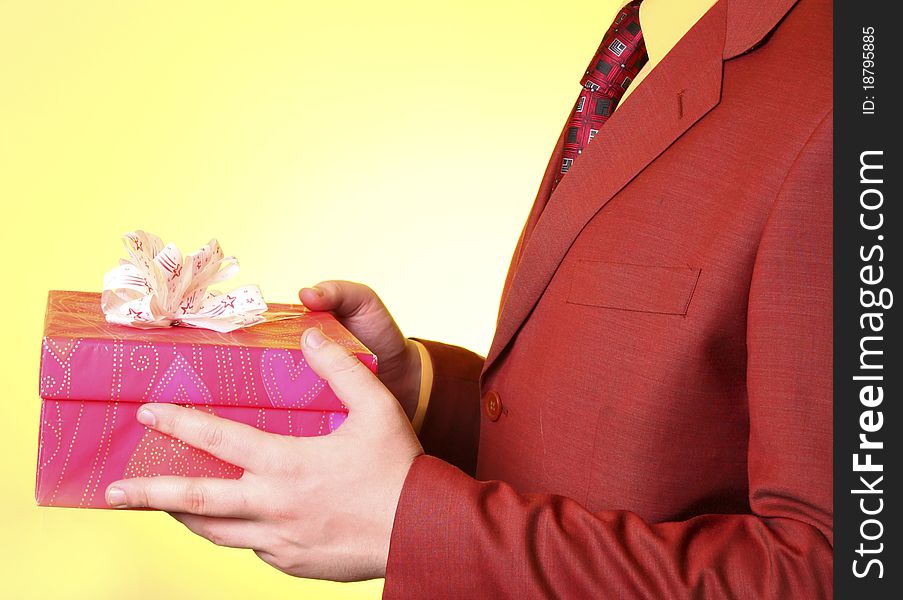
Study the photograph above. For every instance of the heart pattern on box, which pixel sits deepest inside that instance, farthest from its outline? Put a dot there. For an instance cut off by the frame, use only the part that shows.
(289, 382)
(181, 384)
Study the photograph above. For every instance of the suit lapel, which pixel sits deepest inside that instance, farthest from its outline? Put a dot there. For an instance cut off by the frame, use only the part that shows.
(682, 88)
(542, 197)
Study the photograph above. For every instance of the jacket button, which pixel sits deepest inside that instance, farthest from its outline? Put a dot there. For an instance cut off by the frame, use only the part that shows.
(492, 404)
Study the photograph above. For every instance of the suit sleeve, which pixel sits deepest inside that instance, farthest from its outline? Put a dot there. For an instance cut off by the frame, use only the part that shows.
(455, 537)
(451, 427)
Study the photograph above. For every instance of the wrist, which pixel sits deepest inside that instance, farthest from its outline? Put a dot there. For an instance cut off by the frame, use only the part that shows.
(403, 377)
(412, 379)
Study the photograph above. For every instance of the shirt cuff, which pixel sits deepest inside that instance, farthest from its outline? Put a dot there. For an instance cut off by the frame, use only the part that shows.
(426, 386)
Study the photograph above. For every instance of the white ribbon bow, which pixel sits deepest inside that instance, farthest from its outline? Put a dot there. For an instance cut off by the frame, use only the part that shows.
(157, 287)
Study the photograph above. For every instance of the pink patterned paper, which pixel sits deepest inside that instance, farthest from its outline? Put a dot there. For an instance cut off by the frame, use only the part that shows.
(95, 375)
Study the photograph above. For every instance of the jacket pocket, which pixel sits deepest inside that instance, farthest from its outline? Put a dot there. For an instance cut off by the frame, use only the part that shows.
(639, 288)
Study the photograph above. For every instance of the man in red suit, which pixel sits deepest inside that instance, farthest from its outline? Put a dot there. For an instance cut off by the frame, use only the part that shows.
(653, 419)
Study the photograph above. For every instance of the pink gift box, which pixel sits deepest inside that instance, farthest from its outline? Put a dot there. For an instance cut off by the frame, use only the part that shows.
(95, 375)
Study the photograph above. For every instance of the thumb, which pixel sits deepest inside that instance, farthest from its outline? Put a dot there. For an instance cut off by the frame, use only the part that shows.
(344, 298)
(355, 385)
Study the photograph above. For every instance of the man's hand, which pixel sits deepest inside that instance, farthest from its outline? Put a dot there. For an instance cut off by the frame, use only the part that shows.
(319, 507)
(361, 311)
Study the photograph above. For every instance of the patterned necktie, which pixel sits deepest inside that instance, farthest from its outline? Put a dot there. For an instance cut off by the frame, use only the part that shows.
(616, 63)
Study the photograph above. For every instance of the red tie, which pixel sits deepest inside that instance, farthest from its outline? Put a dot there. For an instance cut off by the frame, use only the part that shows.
(616, 63)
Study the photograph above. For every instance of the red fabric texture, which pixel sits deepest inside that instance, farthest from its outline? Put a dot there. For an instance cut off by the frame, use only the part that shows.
(451, 428)
(663, 350)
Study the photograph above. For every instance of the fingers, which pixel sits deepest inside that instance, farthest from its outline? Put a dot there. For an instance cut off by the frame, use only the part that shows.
(355, 385)
(223, 531)
(235, 443)
(344, 298)
(206, 496)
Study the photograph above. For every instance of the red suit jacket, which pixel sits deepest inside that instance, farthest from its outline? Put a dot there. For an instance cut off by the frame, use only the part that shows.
(654, 417)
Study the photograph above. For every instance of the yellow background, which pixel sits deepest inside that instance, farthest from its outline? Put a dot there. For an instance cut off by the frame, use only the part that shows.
(396, 143)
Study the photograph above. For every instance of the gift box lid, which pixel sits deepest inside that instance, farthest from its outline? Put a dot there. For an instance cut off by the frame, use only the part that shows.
(85, 358)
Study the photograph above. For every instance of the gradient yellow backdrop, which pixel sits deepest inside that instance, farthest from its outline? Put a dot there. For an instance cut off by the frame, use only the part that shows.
(398, 143)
